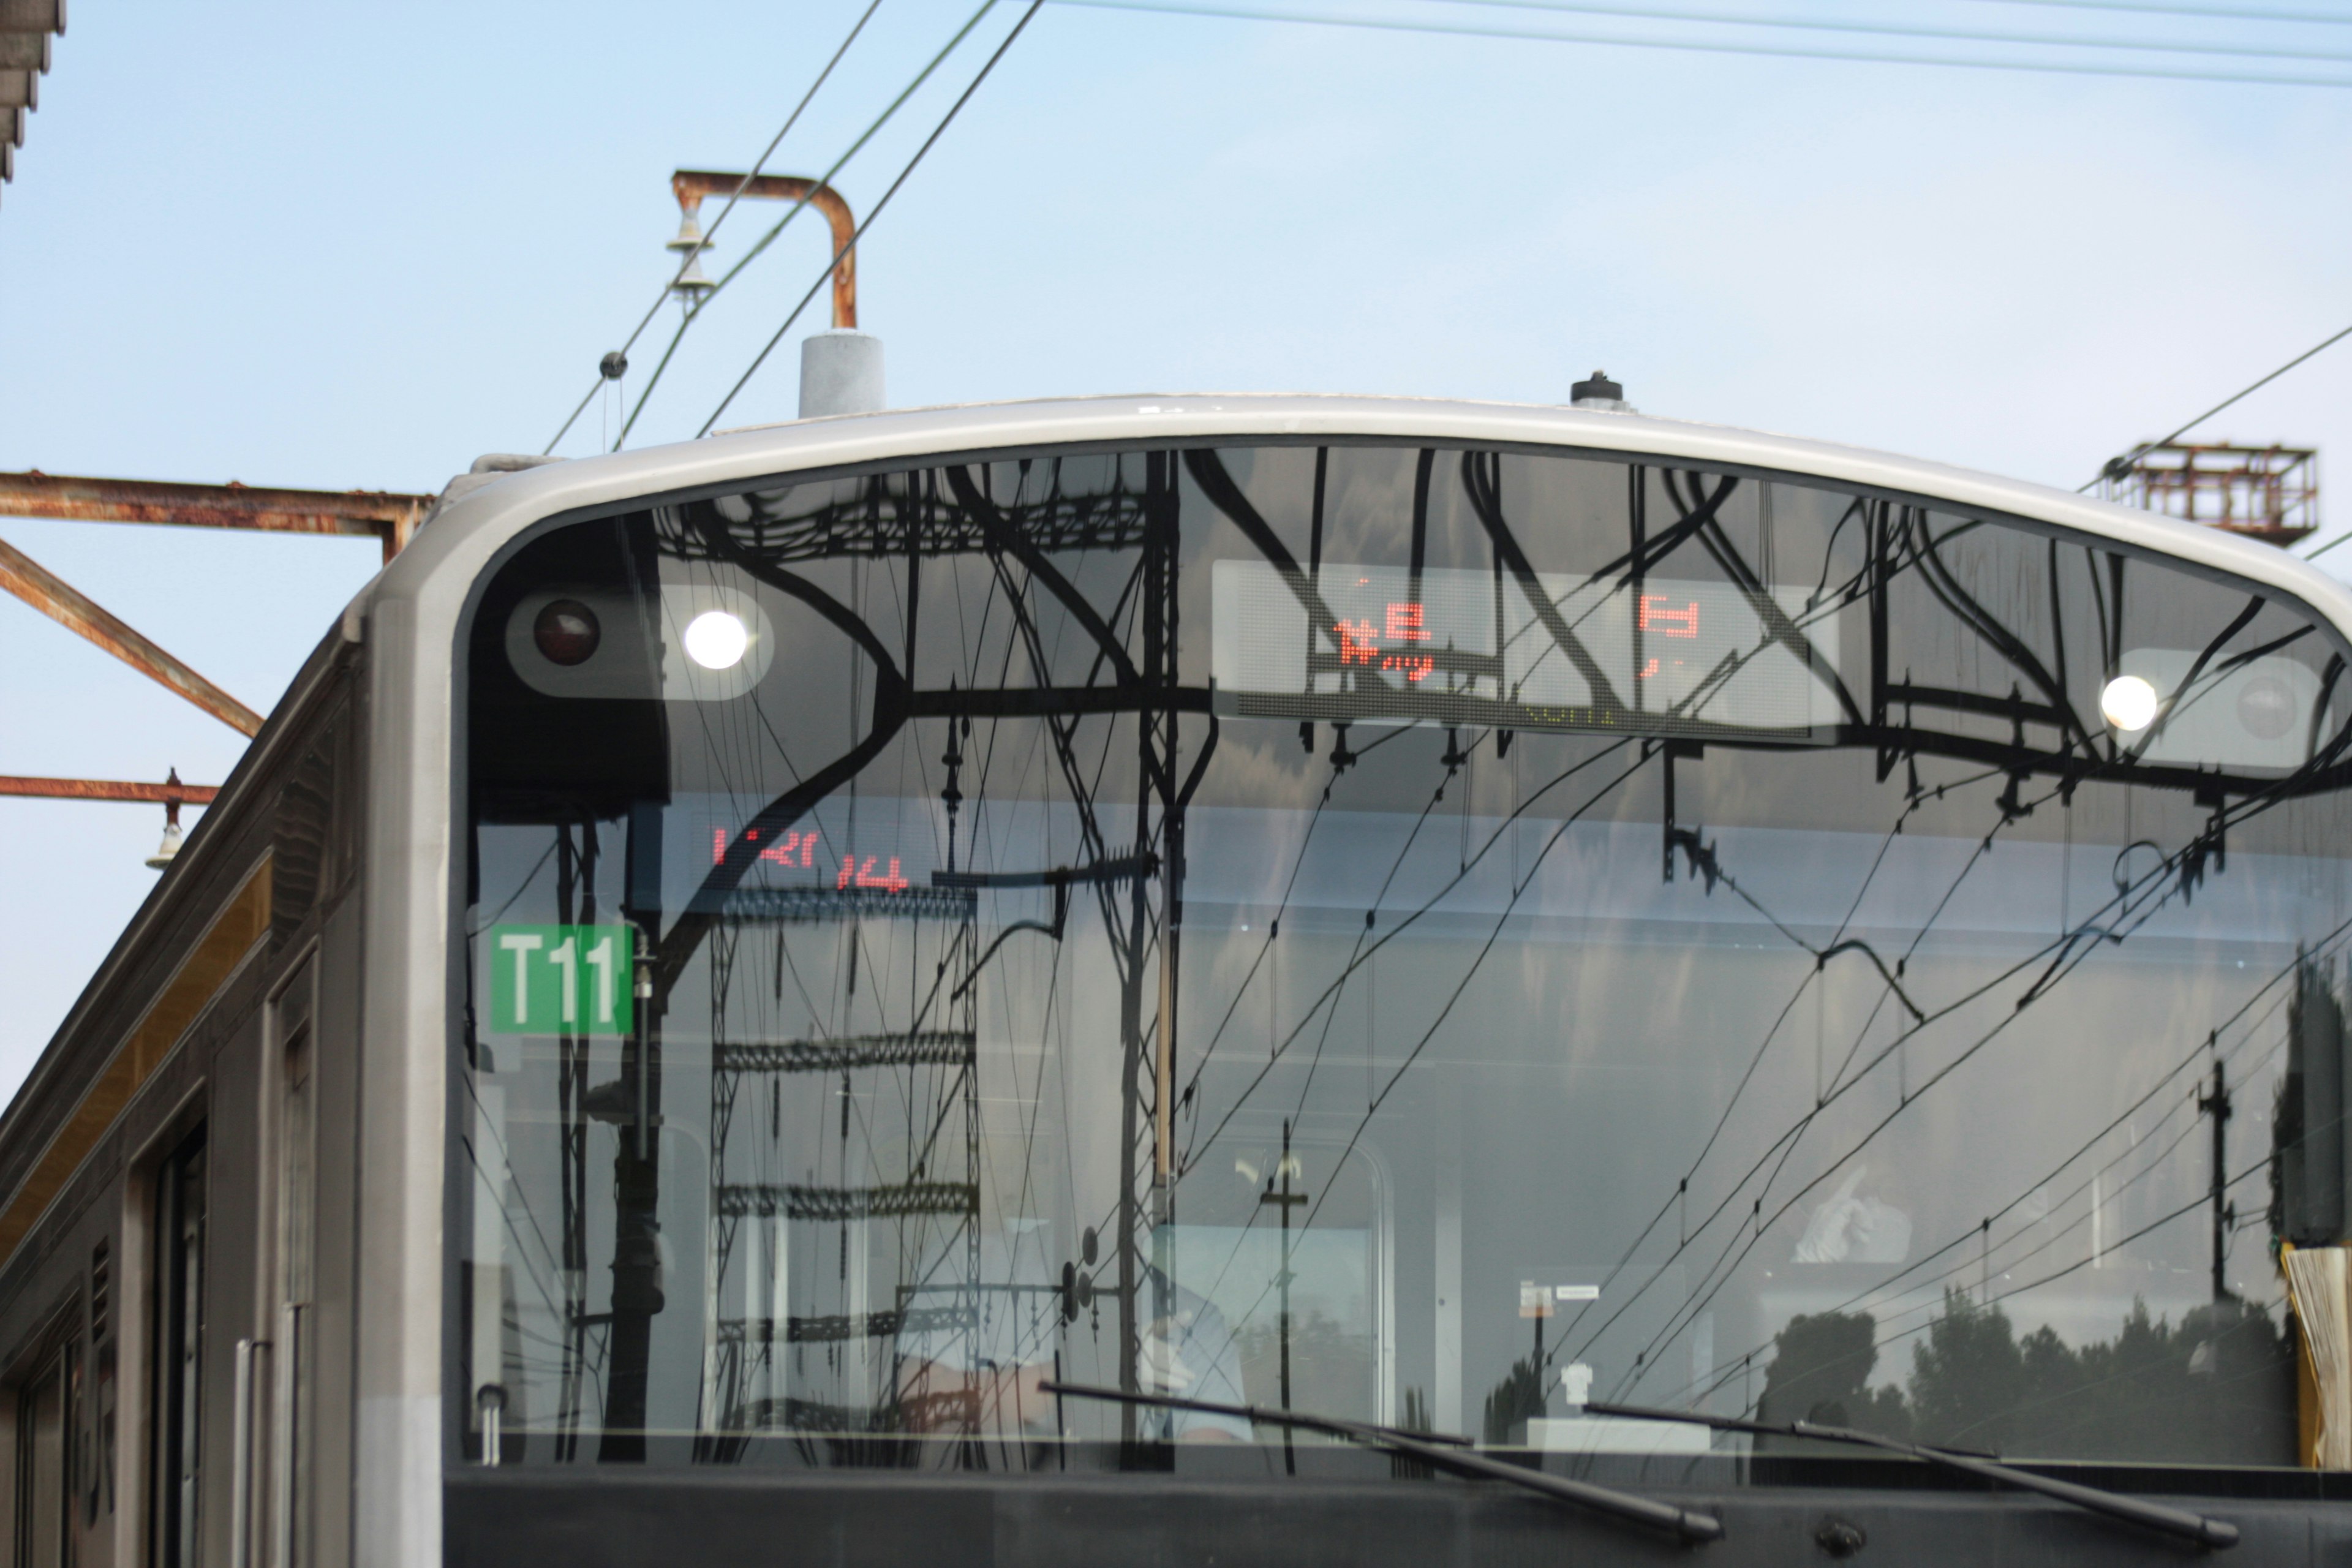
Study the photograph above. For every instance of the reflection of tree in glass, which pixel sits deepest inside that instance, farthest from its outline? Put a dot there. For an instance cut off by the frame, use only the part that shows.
(1517, 1400)
(2219, 1388)
(1331, 1366)
(1819, 1371)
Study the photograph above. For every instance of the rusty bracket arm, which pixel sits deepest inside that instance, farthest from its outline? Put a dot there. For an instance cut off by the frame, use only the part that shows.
(39, 587)
(172, 793)
(384, 515)
(691, 185)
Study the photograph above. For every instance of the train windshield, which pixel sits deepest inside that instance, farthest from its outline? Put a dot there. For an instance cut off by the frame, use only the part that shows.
(1430, 936)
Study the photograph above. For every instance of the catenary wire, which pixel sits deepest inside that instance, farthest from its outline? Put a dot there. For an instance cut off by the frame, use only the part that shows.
(2233, 398)
(2224, 12)
(929, 141)
(688, 260)
(760, 246)
(1897, 30)
(1399, 24)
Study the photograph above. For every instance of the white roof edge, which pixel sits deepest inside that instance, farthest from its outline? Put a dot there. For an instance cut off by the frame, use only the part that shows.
(759, 451)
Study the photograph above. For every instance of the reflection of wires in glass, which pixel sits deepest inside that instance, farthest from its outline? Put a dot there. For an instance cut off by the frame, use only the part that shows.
(1972, 1233)
(2177, 873)
(1470, 973)
(1411, 917)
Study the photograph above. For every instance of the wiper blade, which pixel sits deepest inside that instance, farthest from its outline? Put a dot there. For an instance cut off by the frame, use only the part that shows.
(1438, 1451)
(2196, 1527)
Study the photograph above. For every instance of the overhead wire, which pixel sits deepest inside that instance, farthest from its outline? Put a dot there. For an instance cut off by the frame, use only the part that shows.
(1898, 30)
(1706, 46)
(689, 258)
(2144, 447)
(2224, 12)
(929, 141)
(759, 246)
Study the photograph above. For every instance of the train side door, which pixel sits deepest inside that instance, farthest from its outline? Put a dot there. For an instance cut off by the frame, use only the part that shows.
(177, 1416)
(45, 1425)
(291, 1485)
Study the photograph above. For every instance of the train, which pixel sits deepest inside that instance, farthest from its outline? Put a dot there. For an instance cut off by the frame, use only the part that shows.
(1228, 979)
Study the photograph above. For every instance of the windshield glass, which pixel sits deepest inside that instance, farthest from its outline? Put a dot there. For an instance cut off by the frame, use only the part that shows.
(1425, 936)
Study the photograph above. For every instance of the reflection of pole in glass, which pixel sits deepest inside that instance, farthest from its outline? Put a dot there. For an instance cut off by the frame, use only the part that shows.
(1283, 1202)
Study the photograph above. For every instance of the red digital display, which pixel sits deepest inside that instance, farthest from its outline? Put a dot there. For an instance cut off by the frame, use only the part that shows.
(1667, 623)
(1442, 644)
(856, 873)
(795, 849)
(1359, 642)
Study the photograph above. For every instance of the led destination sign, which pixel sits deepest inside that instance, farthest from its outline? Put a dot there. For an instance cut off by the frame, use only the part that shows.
(1382, 644)
(799, 849)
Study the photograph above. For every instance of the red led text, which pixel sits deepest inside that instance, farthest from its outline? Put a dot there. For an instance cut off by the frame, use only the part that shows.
(1359, 642)
(1668, 623)
(793, 849)
(861, 874)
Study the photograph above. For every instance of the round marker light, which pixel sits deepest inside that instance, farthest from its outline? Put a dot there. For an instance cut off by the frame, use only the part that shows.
(2266, 708)
(2129, 703)
(716, 639)
(566, 632)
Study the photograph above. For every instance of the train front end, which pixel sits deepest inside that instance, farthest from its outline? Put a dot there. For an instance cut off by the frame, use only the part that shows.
(1091, 982)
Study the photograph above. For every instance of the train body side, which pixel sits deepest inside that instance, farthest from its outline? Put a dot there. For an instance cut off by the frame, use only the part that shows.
(182, 1171)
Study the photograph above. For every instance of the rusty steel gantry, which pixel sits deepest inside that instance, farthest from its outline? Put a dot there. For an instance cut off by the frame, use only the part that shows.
(387, 516)
(2269, 493)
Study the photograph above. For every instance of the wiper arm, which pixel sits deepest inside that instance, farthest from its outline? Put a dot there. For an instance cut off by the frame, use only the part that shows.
(2196, 1527)
(1438, 1451)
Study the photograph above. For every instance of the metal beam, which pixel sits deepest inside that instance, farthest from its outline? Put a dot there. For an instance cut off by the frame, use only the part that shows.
(692, 185)
(387, 515)
(108, 789)
(39, 587)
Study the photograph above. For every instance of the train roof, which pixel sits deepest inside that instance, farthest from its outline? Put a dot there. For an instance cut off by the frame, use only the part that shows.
(734, 457)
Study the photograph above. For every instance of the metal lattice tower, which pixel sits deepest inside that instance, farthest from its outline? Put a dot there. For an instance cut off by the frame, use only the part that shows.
(2269, 493)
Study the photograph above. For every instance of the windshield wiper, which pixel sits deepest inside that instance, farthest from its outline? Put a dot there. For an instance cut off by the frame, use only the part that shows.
(1438, 1451)
(2196, 1527)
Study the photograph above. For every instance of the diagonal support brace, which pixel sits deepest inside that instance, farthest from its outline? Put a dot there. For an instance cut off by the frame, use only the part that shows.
(44, 590)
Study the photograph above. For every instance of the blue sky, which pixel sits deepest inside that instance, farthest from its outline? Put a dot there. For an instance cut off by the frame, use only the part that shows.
(356, 246)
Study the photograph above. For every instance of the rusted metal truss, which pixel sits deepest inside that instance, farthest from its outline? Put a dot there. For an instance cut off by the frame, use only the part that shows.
(2269, 493)
(172, 792)
(383, 515)
(47, 591)
(691, 185)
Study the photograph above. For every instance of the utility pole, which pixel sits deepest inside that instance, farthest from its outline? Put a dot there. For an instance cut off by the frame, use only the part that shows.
(2217, 1106)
